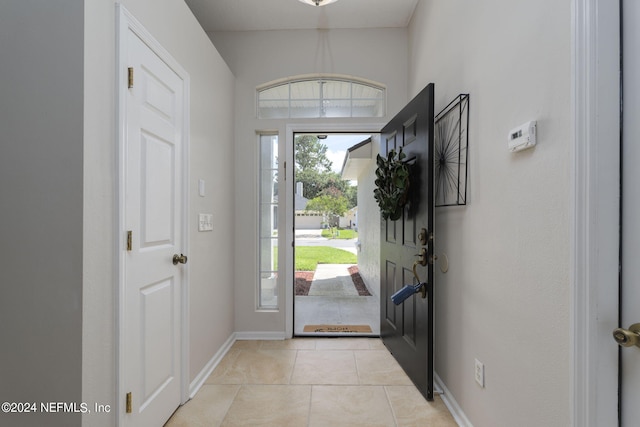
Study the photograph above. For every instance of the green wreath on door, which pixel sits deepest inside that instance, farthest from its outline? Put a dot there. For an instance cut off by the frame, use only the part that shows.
(392, 184)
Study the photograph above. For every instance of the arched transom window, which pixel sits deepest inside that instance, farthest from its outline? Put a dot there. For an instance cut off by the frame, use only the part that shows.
(314, 97)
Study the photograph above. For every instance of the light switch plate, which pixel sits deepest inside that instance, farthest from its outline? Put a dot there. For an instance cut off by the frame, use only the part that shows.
(479, 373)
(205, 222)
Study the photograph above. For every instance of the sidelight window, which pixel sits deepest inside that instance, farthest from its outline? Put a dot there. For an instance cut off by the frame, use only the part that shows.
(268, 222)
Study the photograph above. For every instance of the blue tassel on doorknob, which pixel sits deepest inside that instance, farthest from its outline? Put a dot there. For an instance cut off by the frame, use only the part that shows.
(404, 293)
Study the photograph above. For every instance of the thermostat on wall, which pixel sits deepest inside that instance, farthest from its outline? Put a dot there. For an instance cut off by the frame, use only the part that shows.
(523, 137)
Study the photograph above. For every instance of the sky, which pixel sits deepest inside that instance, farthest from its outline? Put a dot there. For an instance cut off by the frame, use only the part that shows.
(337, 145)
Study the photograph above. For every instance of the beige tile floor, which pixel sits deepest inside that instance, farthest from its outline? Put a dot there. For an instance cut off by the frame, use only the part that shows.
(310, 382)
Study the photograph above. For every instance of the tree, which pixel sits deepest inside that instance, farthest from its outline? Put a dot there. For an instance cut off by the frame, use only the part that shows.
(349, 191)
(311, 164)
(313, 182)
(313, 170)
(330, 205)
(311, 154)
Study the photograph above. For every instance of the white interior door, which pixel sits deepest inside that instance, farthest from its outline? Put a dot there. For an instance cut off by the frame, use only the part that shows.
(153, 193)
(630, 306)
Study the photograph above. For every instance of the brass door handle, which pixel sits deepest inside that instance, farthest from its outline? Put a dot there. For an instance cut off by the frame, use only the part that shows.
(628, 337)
(179, 259)
(419, 287)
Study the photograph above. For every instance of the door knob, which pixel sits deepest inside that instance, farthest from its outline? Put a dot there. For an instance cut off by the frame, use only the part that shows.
(182, 259)
(628, 337)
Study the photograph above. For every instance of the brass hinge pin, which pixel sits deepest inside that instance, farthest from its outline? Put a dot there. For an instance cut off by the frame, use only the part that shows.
(130, 79)
(129, 240)
(128, 403)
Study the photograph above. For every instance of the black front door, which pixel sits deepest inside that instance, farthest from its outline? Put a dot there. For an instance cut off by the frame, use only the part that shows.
(407, 328)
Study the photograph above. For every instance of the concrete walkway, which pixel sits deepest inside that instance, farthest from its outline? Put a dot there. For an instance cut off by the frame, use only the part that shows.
(333, 298)
(310, 310)
(332, 280)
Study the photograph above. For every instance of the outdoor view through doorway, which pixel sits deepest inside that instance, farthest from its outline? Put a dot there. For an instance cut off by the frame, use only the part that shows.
(331, 298)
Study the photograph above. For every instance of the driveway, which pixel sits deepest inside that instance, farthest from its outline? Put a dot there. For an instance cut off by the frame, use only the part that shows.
(314, 238)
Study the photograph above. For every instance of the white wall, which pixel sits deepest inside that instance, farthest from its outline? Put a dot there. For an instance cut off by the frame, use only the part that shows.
(41, 209)
(505, 299)
(369, 222)
(259, 57)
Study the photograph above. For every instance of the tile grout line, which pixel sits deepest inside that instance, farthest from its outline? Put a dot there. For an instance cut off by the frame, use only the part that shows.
(393, 412)
(235, 396)
(355, 361)
(310, 404)
(293, 368)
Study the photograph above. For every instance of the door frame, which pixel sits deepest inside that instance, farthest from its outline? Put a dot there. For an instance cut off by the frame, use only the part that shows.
(595, 189)
(288, 238)
(125, 22)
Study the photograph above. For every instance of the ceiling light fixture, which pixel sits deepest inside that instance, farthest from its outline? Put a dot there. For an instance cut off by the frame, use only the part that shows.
(318, 2)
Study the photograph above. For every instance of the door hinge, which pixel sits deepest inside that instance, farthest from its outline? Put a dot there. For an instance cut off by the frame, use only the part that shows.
(129, 240)
(130, 79)
(128, 403)
(285, 170)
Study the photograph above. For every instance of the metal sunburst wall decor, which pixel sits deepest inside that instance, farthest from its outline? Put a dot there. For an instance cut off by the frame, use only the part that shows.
(451, 139)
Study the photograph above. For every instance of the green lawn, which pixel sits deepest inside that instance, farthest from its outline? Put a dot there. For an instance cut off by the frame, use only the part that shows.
(342, 234)
(308, 257)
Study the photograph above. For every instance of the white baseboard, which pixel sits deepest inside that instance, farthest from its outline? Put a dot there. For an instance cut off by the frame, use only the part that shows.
(452, 405)
(199, 380)
(267, 336)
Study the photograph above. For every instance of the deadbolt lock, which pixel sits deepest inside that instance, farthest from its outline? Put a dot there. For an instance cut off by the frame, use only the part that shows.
(628, 337)
(179, 259)
(424, 236)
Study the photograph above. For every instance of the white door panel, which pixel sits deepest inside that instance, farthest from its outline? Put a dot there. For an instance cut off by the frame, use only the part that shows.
(158, 158)
(156, 317)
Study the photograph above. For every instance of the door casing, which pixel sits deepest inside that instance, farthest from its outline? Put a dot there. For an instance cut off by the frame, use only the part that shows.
(288, 236)
(127, 22)
(594, 217)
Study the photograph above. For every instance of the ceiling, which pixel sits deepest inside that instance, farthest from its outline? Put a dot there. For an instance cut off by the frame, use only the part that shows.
(250, 15)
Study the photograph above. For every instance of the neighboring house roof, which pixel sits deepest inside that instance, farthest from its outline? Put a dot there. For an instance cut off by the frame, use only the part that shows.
(356, 159)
